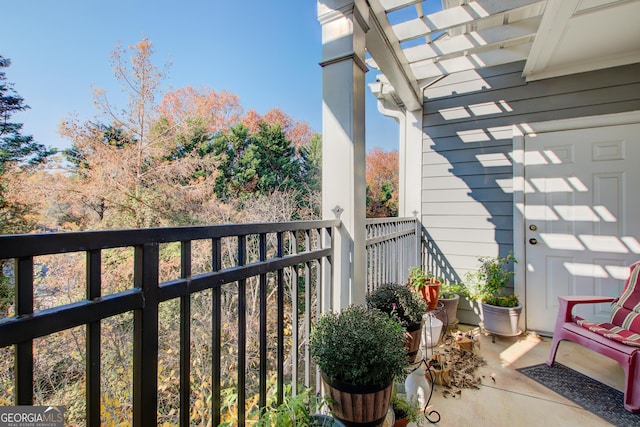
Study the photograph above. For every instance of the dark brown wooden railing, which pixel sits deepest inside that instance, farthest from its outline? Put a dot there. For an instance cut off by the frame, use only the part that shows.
(293, 250)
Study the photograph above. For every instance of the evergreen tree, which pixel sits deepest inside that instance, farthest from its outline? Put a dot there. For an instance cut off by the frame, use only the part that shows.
(16, 150)
(258, 163)
(14, 146)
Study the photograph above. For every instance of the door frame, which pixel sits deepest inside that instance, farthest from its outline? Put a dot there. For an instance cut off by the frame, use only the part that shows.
(520, 132)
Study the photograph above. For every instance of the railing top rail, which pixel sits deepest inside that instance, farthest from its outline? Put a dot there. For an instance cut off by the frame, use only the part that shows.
(371, 221)
(24, 245)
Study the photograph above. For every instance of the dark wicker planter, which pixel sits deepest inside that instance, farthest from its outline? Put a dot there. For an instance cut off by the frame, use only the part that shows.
(319, 420)
(414, 335)
(362, 406)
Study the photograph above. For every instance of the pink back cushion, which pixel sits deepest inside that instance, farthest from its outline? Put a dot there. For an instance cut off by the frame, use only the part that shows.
(626, 311)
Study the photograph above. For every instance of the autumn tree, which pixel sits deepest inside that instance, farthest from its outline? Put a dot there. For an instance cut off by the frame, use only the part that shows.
(218, 111)
(382, 183)
(138, 169)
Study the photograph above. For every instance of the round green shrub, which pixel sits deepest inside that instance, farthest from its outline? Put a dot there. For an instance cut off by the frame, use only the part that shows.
(399, 302)
(359, 346)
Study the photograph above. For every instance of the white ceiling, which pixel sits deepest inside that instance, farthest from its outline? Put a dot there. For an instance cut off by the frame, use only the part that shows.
(554, 37)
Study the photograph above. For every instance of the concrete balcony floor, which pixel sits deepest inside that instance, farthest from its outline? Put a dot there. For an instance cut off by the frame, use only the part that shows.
(514, 399)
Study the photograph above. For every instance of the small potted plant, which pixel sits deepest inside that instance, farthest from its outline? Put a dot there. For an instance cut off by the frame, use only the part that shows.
(424, 282)
(301, 410)
(500, 312)
(450, 294)
(405, 411)
(359, 352)
(405, 306)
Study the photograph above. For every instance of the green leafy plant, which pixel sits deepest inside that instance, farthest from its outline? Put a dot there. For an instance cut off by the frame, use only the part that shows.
(491, 279)
(359, 346)
(294, 411)
(449, 290)
(403, 408)
(399, 302)
(419, 278)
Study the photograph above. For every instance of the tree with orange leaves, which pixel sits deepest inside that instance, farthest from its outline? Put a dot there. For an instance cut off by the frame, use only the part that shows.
(382, 183)
(218, 110)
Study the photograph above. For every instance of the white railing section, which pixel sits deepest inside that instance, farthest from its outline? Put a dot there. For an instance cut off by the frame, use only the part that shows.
(393, 248)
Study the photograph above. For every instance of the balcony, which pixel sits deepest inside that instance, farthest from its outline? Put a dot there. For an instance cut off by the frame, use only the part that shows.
(110, 321)
(223, 333)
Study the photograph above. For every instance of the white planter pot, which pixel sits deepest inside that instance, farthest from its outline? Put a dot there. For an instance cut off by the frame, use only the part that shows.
(501, 320)
(431, 332)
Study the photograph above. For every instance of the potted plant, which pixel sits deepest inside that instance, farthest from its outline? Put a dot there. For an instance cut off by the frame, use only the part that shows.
(500, 312)
(405, 412)
(405, 306)
(359, 352)
(300, 410)
(424, 282)
(450, 294)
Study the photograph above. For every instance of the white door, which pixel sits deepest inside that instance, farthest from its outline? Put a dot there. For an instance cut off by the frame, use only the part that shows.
(582, 217)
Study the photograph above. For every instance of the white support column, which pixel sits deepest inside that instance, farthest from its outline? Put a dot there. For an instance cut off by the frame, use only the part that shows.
(411, 166)
(410, 156)
(344, 24)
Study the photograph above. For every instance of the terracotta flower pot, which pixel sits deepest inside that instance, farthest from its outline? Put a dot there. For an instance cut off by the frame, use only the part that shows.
(359, 405)
(414, 335)
(402, 422)
(430, 293)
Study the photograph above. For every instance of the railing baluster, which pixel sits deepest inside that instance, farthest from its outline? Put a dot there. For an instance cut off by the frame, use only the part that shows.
(280, 323)
(24, 350)
(307, 312)
(262, 400)
(145, 336)
(185, 337)
(242, 331)
(216, 333)
(319, 292)
(93, 337)
(294, 317)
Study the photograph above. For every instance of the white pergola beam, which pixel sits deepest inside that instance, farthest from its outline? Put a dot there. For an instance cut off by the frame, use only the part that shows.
(390, 59)
(468, 42)
(393, 5)
(456, 16)
(551, 30)
(430, 69)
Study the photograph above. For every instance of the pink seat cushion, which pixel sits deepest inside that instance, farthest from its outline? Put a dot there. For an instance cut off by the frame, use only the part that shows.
(608, 330)
(625, 312)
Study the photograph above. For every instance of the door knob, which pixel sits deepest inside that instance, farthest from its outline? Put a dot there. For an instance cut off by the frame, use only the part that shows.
(533, 241)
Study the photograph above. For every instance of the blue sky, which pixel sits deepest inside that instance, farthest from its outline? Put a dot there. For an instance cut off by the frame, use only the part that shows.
(266, 52)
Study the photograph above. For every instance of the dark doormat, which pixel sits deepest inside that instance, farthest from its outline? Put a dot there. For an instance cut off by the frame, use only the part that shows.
(597, 398)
